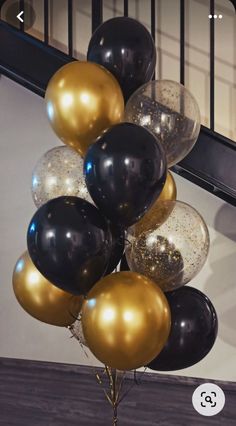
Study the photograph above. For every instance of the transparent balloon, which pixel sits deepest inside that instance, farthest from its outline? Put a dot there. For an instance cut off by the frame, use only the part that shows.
(173, 252)
(58, 172)
(170, 112)
(77, 332)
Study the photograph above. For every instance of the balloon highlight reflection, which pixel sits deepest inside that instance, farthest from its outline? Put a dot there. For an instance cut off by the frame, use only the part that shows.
(58, 172)
(70, 243)
(126, 48)
(193, 331)
(159, 211)
(170, 112)
(40, 298)
(83, 99)
(174, 252)
(126, 320)
(125, 171)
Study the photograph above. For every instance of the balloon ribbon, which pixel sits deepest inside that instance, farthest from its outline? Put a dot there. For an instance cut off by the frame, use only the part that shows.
(115, 379)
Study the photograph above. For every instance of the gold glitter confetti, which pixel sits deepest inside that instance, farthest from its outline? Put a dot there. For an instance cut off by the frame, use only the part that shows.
(170, 112)
(174, 252)
(59, 172)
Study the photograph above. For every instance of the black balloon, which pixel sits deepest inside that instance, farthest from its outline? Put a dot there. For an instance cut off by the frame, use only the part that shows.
(70, 243)
(123, 264)
(125, 171)
(126, 48)
(193, 330)
(118, 246)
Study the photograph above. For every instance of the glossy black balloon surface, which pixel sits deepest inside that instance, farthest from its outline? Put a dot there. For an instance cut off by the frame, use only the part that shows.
(193, 330)
(125, 171)
(126, 48)
(69, 242)
(118, 246)
(123, 264)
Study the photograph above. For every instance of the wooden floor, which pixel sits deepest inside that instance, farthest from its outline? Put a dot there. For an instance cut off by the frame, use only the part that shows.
(46, 394)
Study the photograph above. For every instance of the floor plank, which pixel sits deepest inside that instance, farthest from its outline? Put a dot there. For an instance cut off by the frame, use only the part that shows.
(48, 394)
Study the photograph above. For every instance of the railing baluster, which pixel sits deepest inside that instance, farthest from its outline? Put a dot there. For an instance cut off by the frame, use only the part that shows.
(46, 26)
(212, 65)
(97, 13)
(182, 41)
(153, 25)
(126, 8)
(70, 27)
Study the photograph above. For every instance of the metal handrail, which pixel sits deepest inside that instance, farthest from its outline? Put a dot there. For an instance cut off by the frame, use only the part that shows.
(197, 166)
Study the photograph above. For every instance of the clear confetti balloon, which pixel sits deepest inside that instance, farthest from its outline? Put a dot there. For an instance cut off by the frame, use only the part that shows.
(173, 252)
(170, 112)
(58, 172)
(77, 331)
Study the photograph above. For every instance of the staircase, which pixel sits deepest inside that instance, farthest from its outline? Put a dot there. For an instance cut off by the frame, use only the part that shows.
(31, 60)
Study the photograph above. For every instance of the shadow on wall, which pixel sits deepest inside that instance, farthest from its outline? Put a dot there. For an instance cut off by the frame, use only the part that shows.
(225, 221)
(222, 282)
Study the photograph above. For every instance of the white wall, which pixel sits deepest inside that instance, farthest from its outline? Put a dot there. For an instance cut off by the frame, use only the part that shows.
(25, 136)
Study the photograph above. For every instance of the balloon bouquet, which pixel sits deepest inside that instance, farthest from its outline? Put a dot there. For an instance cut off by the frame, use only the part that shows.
(109, 187)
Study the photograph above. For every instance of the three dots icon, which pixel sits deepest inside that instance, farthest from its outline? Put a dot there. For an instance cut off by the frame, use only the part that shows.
(215, 16)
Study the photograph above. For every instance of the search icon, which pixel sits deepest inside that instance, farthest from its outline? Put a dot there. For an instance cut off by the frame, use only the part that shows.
(208, 399)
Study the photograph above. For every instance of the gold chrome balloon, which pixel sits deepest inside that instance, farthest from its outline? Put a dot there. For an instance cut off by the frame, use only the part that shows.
(159, 212)
(41, 299)
(125, 320)
(83, 99)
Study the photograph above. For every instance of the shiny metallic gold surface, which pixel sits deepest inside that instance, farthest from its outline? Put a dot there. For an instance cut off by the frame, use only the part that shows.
(41, 299)
(126, 320)
(159, 212)
(83, 99)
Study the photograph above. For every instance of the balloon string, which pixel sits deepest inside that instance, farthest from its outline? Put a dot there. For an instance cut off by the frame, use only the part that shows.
(114, 396)
(115, 415)
(135, 382)
(128, 241)
(98, 377)
(119, 241)
(120, 386)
